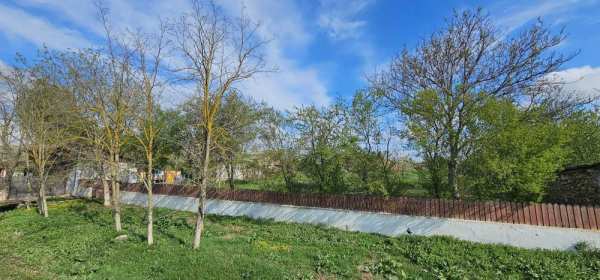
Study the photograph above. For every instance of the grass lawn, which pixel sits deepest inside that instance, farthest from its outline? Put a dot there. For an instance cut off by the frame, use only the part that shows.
(77, 242)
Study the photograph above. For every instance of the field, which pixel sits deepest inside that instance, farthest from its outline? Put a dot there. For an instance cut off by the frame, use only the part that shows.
(409, 180)
(77, 242)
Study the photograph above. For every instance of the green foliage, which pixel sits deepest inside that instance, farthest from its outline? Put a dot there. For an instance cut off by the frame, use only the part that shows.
(328, 143)
(441, 136)
(434, 176)
(583, 130)
(346, 148)
(77, 242)
(238, 125)
(387, 267)
(172, 123)
(517, 154)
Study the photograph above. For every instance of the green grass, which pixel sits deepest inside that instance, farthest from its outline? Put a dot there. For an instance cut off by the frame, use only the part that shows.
(272, 184)
(77, 242)
(409, 180)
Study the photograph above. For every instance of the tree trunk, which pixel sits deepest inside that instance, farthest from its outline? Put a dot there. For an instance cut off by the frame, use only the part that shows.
(116, 204)
(116, 193)
(29, 188)
(9, 182)
(230, 173)
(436, 174)
(320, 173)
(150, 218)
(42, 204)
(202, 193)
(285, 170)
(106, 191)
(452, 163)
(150, 204)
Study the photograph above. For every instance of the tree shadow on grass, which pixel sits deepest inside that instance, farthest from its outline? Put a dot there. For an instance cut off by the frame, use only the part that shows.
(92, 214)
(163, 223)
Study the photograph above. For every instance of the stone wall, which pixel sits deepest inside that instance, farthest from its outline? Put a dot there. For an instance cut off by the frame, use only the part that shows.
(576, 185)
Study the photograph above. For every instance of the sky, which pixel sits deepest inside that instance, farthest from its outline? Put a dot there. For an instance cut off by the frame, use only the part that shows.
(322, 49)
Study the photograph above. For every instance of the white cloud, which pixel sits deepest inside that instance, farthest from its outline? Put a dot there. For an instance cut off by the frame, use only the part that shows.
(81, 13)
(3, 66)
(175, 94)
(280, 21)
(287, 89)
(123, 14)
(583, 80)
(19, 24)
(342, 21)
(513, 16)
(516, 16)
(339, 18)
(281, 24)
(285, 28)
(340, 29)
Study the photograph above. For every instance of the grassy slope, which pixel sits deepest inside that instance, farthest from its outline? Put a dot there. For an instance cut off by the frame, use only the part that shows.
(77, 242)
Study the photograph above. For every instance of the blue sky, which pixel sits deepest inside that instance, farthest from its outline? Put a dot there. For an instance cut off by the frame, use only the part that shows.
(322, 49)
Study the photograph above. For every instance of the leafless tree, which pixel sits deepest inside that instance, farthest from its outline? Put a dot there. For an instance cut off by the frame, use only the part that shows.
(218, 52)
(46, 112)
(87, 71)
(149, 52)
(106, 88)
(12, 86)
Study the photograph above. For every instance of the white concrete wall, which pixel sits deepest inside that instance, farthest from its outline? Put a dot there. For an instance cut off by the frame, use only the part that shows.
(73, 188)
(525, 236)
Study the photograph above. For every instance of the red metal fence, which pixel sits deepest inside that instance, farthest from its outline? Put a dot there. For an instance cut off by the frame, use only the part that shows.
(541, 214)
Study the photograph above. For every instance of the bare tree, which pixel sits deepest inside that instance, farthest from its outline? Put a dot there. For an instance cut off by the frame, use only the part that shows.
(12, 86)
(45, 112)
(105, 84)
(86, 81)
(149, 50)
(115, 104)
(465, 61)
(218, 52)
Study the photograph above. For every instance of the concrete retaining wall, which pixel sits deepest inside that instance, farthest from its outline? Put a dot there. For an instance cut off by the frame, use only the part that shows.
(525, 236)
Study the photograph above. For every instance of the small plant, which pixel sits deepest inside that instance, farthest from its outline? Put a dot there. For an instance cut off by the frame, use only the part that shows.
(323, 263)
(386, 267)
(583, 246)
(246, 275)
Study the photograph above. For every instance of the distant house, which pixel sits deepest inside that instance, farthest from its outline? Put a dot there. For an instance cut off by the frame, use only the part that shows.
(576, 185)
